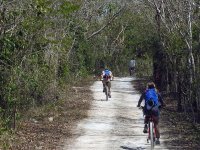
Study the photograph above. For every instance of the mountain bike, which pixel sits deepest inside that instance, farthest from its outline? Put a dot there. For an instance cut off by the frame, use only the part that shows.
(151, 129)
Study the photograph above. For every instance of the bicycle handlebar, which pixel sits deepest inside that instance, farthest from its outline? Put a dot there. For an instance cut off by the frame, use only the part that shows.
(141, 107)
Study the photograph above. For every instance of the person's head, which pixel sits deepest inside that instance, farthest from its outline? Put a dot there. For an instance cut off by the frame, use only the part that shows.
(151, 85)
(106, 69)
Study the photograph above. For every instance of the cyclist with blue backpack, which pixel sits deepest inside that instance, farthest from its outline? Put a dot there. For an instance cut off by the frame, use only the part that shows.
(153, 102)
(107, 76)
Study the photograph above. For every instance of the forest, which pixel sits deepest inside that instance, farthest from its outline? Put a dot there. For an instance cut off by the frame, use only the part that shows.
(48, 45)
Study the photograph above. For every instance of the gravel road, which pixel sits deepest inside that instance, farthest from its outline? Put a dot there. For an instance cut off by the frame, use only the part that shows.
(116, 124)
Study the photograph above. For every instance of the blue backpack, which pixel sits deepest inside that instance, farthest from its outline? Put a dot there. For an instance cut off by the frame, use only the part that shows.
(151, 94)
(107, 72)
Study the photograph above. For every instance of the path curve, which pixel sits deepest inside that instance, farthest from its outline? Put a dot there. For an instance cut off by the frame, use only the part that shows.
(116, 124)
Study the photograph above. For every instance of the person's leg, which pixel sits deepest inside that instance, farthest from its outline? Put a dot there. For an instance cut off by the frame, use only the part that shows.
(157, 130)
(109, 86)
(103, 85)
(133, 70)
(146, 120)
(129, 70)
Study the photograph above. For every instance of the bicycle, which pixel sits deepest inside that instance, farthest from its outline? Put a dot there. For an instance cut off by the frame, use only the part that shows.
(151, 129)
(131, 70)
(151, 132)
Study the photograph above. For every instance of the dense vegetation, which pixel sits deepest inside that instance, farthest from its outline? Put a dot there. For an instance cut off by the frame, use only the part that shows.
(45, 45)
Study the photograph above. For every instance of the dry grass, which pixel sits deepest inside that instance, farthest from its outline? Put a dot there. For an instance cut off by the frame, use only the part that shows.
(46, 127)
(39, 131)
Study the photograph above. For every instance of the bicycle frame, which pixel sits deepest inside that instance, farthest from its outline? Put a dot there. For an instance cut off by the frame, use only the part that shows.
(151, 129)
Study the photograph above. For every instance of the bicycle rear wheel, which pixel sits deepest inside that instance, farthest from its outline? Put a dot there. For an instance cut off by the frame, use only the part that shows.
(151, 134)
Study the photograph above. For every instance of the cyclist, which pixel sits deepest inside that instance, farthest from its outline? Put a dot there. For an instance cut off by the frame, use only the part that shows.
(153, 103)
(131, 66)
(107, 76)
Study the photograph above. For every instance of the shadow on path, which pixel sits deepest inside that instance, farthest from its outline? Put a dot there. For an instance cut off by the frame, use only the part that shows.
(129, 148)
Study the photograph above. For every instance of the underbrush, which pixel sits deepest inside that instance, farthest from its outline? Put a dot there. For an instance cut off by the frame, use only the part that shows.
(47, 126)
(181, 131)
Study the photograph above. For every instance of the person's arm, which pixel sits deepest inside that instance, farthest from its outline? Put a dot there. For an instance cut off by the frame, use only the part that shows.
(111, 75)
(102, 74)
(141, 99)
(134, 63)
(161, 100)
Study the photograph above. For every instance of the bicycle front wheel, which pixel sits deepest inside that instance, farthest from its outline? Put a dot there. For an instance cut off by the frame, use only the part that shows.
(151, 134)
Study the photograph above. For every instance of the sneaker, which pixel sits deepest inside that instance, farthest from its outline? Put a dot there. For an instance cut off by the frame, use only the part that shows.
(157, 142)
(145, 128)
(109, 96)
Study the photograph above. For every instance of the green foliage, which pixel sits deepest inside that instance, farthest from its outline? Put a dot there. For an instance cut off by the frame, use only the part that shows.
(44, 46)
(43, 6)
(144, 66)
(67, 8)
(139, 35)
(49, 48)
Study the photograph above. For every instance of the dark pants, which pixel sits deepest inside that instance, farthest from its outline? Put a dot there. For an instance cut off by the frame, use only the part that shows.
(109, 85)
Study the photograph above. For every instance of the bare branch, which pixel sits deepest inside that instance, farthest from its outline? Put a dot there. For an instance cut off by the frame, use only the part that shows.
(122, 31)
(110, 20)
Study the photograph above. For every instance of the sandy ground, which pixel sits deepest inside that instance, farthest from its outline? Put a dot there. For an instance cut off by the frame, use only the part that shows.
(115, 124)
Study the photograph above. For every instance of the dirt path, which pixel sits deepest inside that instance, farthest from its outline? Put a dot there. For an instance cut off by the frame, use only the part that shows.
(115, 124)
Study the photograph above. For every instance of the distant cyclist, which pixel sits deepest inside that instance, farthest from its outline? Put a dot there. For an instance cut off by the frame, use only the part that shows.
(132, 65)
(153, 101)
(107, 76)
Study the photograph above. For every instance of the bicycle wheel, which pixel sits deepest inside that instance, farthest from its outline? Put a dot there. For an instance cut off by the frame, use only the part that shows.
(151, 134)
(106, 91)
